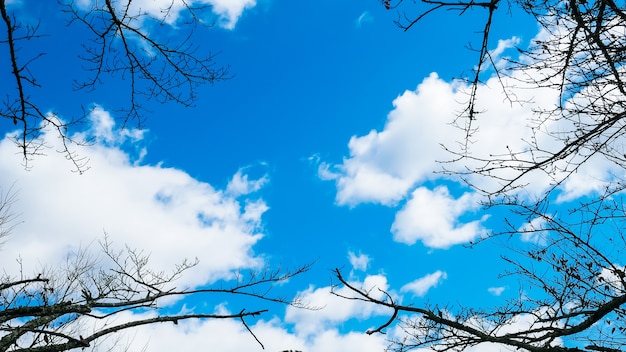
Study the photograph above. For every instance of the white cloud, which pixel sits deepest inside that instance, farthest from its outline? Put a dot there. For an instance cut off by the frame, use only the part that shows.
(226, 335)
(230, 10)
(490, 347)
(613, 277)
(496, 291)
(102, 131)
(163, 211)
(590, 178)
(384, 165)
(232, 336)
(358, 262)
(432, 216)
(170, 11)
(497, 53)
(390, 166)
(532, 321)
(241, 185)
(335, 310)
(521, 322)
(332, 341)
(364, 18)
(534, 231)
(421, 286)
(172, 216)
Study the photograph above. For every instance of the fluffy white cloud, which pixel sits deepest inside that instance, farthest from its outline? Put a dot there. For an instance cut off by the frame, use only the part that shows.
(388, 166)
(432, 216)
(391, 165)
(421, 286)
(358, 262)
(335, 310)
(332, 341)
(167, 213)
(230, 10)
(170, 11)
(497, 54)
(163, 211)
(591, 177)
(232, 336)
(383, 166)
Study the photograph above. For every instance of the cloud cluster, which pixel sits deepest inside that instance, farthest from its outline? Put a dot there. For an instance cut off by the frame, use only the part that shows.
(170, 215)
(398, 165)
(387, 167)
(229, 11)
(384, 165)
(299, 329)
(163, 211)
(335, 310)
(232, 336)
(170, 11)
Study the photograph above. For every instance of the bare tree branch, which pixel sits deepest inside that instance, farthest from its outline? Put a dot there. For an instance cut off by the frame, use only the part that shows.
(156, 67)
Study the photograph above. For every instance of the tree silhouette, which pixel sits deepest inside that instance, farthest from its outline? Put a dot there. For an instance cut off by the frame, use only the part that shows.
(572, 278)
(120, 46)
(75, 305)
(90, 296)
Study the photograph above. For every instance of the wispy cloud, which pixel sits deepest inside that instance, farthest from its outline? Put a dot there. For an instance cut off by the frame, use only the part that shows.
(364, 19)
(241, 184)
(358, 262)
(421, 286)
(496, 291)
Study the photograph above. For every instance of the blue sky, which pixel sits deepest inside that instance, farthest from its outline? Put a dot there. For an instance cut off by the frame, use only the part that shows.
(322, 147)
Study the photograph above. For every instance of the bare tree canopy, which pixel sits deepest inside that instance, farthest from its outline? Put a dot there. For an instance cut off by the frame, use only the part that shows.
(579, 53)
(87, 300)
(125, 42)
(95, 296)
(572, 279)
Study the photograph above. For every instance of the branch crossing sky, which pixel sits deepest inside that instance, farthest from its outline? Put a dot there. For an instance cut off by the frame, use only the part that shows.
(323, 146)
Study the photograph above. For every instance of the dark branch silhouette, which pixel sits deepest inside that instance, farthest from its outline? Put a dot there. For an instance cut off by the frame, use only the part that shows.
(57, 309)
(572, 278)
(153, 66)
